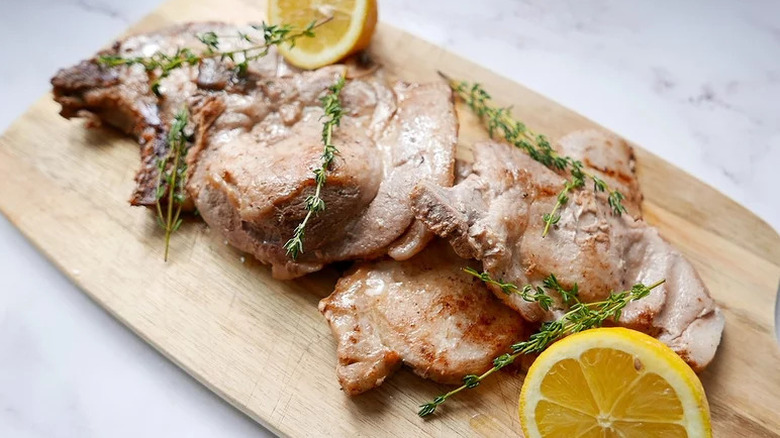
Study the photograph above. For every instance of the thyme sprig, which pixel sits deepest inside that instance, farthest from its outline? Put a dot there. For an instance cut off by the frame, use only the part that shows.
(581, 316)
(527, 292)
(331, 105)
(499, 121)
(172, 179)
(163, 64)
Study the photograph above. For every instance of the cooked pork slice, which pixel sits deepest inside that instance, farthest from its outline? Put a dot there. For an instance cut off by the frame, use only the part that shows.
(122, 97)
(424, 312)
(495, 215)
(255, 155)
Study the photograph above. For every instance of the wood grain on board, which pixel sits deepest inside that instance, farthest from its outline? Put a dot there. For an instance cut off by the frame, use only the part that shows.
(262, 345)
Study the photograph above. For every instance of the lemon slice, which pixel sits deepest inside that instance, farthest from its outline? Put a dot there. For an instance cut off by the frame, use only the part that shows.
(612, 382)
(349, 29)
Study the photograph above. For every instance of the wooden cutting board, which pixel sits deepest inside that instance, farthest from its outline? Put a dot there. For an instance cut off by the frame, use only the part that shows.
(262, 345)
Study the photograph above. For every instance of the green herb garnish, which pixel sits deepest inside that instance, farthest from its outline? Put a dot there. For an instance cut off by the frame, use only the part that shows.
(499, 121)
(172, 179)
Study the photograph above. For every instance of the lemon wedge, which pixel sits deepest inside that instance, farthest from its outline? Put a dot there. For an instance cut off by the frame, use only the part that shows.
(349, 27)
(612, 382)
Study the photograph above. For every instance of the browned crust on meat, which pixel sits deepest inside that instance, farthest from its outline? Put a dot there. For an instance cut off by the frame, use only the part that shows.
(425, 312)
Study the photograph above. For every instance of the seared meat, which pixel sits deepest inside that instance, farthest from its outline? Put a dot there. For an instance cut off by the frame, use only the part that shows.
(495, 215)
(122, 97)
(424, 312)
(255, 155)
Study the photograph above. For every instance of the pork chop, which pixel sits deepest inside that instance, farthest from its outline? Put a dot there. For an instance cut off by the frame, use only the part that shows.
(121, 96)
(257, 141)
(424, 312)
(253, 163)
(495, 215)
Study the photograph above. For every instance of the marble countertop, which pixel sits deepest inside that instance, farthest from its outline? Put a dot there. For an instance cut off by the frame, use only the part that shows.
(695, 82)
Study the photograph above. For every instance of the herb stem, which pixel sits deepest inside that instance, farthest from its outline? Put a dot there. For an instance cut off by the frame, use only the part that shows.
(290, 37)
(169, 216)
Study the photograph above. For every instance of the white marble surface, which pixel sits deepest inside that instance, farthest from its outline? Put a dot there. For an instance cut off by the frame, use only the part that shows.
(696, 82)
